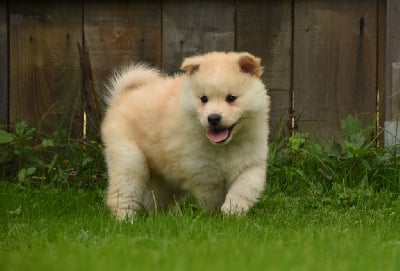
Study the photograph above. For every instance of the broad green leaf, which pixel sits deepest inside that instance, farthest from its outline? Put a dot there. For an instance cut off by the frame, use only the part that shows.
(20, 127)
(47, 143)
(5, 137)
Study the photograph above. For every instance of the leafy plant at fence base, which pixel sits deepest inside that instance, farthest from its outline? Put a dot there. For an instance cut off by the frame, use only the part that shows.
(31, 159)
(348, 171)
(347, 168)
(356, 137)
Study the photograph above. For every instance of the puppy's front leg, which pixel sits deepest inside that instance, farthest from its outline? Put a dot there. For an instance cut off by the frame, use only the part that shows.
(245, 191)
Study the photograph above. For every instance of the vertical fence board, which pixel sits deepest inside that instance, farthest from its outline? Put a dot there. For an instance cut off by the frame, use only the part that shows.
(381, 69)
(264, 28)
(392, 56)
(118, 33)
(334, 62)
(194, 27)
(3, 64)
(45, 76)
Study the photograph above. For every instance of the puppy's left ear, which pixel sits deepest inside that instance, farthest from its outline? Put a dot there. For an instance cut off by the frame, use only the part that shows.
(191, 64)
(250, 64)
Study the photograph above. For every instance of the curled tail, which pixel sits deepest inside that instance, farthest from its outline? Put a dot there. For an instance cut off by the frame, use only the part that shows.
(129, 78)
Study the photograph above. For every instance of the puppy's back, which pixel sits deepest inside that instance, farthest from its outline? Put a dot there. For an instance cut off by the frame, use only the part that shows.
(130, 78)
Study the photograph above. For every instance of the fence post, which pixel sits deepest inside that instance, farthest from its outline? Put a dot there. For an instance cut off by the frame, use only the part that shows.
(392, 127)
(3, 65)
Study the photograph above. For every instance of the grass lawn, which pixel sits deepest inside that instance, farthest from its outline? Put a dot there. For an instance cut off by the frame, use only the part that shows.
(328, 206)
(70, 229)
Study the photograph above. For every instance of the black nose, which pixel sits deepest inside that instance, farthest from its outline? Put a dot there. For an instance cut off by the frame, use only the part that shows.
(214, 119)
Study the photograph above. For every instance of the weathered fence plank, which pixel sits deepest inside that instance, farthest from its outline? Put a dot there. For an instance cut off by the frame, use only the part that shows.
(45, 75)
(117, 34)
(194, 27)
(3, 64)
(334, 62)
(264, 28)
(392, 56)
(392, 128)
(381, 69)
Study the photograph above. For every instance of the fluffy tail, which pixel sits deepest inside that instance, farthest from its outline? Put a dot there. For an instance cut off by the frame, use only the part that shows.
(129, 78)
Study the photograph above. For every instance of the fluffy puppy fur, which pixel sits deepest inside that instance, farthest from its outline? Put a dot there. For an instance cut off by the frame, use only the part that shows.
(202, 133)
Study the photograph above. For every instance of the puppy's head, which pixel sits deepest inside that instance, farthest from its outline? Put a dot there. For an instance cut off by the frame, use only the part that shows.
(224, 91)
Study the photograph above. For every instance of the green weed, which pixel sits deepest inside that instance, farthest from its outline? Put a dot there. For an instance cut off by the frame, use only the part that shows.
(33, 160)
(340, 173)
(349, 167)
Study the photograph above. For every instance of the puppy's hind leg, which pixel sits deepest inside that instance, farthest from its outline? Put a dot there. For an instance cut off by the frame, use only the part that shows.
(128, 175)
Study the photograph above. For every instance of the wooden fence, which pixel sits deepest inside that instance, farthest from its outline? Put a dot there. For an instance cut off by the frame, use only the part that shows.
(324, 59)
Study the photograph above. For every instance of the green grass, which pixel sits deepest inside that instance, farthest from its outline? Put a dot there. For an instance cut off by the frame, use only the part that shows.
(54, 229)
(328, 206)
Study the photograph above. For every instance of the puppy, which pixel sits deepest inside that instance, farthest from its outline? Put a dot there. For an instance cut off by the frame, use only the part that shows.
(202, 133)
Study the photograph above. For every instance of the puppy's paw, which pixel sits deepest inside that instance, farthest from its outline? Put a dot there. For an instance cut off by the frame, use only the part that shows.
(124, 214)
(232, 207)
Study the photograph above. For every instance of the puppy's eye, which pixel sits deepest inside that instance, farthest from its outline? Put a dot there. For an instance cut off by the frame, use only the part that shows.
(231, 98)
(204, 99)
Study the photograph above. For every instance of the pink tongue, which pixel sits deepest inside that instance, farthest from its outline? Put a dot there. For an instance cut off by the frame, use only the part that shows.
(217, 135)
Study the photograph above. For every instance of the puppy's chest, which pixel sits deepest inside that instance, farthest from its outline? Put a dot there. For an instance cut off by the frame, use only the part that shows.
(203, 164)
(213, 168)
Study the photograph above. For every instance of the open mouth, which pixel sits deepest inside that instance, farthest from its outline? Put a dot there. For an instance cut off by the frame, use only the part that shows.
(219, 134)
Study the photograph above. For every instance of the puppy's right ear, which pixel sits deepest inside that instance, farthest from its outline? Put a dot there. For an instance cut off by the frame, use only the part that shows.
(250, 64)
(191, 64)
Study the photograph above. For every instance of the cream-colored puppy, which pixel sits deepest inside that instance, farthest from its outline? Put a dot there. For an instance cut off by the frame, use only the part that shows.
(203, 133)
